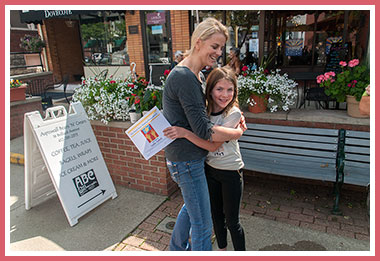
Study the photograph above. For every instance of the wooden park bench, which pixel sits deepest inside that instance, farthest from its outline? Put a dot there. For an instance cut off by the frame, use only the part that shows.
(332, 155)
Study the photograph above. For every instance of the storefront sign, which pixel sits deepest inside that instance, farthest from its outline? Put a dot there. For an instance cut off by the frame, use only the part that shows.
(133, 29)
(155, 18)
(57, 13)
(253, 45)
(157, 29)
(67, 146)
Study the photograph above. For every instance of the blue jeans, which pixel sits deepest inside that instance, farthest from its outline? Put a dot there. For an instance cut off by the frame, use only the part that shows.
(194, 217)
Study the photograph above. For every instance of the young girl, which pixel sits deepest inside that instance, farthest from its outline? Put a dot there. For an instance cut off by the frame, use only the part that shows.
(223, 162)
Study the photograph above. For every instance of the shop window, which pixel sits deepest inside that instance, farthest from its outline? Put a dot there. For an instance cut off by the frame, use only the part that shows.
(104, 39)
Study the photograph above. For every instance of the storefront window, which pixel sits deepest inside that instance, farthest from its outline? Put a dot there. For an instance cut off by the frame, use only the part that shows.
(104, 39)
(157, 36)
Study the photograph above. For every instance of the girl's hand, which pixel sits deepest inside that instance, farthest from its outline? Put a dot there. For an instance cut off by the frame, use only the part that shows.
(175, 132)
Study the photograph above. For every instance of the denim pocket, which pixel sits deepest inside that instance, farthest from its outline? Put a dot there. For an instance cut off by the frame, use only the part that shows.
(173, 169)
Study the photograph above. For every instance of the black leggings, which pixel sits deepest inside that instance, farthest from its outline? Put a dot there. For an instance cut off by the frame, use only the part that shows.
(226, 189)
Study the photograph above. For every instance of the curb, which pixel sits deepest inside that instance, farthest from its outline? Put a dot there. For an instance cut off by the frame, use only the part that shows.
(17, 158)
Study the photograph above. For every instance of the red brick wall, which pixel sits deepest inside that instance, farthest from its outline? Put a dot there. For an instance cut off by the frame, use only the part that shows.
(17, 111)
(180, 30)
(125, 163)
(63, 48)
(134, 41)
(15, 37)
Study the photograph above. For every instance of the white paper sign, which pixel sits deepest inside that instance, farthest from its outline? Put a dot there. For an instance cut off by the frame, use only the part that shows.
(147, 133)
(73, 158)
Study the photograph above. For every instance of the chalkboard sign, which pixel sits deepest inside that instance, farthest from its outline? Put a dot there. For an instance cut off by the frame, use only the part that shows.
(338, 52)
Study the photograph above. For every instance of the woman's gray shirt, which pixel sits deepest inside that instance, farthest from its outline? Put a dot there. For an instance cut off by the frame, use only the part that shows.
(184, 106)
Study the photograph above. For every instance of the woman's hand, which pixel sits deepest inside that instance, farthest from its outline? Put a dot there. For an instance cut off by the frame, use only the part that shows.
(175, 132)
(242, 123)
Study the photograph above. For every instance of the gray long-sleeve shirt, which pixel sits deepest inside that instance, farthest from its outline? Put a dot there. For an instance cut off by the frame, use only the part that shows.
(184, 106)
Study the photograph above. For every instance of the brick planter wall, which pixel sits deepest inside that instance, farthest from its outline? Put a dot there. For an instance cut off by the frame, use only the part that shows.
(17, 111)
(125, 163)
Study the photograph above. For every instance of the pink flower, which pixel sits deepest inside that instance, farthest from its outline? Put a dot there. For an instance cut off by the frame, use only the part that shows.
(343, 63)
(329, 75)
(320, 78)
(244, 68)
(349, 85)
(112, 81)
(245, 74)
(353, 63)
(130, 85)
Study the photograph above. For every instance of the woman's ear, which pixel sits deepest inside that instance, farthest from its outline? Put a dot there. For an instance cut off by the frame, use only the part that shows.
(198, 44)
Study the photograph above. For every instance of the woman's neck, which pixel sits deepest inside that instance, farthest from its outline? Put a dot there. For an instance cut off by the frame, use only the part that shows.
(192, 63)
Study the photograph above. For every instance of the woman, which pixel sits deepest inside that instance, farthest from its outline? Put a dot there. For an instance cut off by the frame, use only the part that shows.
(224, 161)
(184, 106)
(234, 62)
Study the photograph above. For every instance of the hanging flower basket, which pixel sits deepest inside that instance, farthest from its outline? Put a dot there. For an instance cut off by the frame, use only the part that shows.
(18, 94)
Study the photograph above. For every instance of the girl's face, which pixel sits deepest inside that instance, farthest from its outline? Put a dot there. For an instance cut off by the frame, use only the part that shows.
(222, 94)
(211, 49)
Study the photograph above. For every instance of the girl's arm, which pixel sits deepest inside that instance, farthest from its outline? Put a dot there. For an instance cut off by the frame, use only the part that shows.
(179, 132)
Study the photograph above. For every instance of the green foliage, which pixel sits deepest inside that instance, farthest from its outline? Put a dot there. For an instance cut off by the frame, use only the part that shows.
(32, 43)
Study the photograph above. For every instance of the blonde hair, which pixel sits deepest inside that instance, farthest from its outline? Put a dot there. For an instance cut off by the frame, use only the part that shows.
(205, 30)
(213, 78)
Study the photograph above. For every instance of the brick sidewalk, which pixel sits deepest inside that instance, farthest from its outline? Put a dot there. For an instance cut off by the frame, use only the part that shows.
(281, 199)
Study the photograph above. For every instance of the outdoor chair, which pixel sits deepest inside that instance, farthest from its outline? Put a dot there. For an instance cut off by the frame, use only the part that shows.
(48, 96)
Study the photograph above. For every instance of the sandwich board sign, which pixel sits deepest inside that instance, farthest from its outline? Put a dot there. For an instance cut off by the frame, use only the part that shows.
(63, 157)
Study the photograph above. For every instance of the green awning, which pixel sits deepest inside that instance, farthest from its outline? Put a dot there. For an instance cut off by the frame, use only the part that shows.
(90, 43)
(120, 41)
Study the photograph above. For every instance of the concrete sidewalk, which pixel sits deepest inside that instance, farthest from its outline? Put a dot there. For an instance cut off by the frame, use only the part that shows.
(138, 221)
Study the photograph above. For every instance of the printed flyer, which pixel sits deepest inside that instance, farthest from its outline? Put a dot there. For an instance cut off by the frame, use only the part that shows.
(147, 133)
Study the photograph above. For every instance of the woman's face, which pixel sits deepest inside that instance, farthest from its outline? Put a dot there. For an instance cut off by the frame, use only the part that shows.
(222, 94)
(211, 49)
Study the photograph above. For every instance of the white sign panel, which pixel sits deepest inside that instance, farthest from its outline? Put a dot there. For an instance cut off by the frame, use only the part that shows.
(147, 133)
(73, 158)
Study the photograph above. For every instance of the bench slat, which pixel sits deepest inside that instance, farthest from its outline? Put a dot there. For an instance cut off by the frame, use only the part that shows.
(288, 150)
(306, 169)
(357, 157)
(291, 136)
(304, 130)
(358, 134)
(356, 176)
(251, 154)
(357, 164)
(360, 142)
(359, 150)
(289, 143)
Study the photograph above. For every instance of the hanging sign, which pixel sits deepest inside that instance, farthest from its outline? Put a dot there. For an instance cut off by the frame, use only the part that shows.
(64, 147)
(293, 47)
(157, 29)
(155, 18)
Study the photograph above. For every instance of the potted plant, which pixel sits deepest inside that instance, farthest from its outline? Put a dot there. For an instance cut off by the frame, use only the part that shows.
(261, 89)
(17, 90)
(105, 99)
(348, 85)
(136, 98)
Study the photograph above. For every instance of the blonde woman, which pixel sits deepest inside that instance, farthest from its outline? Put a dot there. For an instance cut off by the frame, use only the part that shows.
(184, 106)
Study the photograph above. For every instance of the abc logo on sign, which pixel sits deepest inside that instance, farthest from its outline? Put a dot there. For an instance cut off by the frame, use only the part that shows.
(85, 182)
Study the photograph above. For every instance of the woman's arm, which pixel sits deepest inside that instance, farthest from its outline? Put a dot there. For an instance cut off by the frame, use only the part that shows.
(179, 132)
(221, 134)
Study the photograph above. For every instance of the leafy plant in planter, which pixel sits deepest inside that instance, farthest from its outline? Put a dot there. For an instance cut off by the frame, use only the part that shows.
(32, 43)
(353, 80)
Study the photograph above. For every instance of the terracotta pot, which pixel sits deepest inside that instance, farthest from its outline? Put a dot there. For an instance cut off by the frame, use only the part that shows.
(261, 103)
(18, 94)
(353, 108)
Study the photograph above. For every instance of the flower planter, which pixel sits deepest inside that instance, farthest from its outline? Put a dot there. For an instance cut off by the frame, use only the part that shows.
(18, 94)
(134, 116)
(260, 103)
(353, 108)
